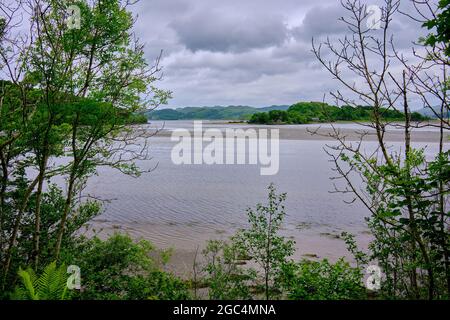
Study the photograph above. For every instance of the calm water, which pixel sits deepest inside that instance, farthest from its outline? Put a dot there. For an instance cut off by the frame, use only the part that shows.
(182, 206)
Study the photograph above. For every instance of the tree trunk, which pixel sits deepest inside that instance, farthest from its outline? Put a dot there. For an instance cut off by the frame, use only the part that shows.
(37, 223)
(16, 228)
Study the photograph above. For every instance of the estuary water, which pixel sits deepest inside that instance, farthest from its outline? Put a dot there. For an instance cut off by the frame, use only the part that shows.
(182, 206)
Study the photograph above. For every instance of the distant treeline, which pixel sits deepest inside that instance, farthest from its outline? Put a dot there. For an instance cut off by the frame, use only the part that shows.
(300, 113)
(210, 113)
(137, 118)
(306, 112)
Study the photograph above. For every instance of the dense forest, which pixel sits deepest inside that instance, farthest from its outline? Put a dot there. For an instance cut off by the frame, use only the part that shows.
(306, 112)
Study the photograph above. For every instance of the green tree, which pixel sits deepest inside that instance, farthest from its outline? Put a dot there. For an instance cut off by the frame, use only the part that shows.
(404, 243)
(67, 93)
(405, 193)
(262, 241)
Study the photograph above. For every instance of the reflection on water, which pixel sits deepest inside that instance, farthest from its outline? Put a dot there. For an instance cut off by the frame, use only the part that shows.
(185, 205)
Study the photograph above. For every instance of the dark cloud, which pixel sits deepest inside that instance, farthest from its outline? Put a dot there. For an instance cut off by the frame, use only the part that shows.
(217, 32)
(321, 21)
(247, 52)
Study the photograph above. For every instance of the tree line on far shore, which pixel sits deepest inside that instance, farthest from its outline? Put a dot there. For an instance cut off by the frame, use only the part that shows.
(307, 112)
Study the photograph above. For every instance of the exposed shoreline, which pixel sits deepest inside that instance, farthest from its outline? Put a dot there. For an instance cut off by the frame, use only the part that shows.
(311, 244)
(323, 132)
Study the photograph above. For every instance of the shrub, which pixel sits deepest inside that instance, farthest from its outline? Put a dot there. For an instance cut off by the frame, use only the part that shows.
(225, 278)
(157, 285)
(311, 280)
(119, 268)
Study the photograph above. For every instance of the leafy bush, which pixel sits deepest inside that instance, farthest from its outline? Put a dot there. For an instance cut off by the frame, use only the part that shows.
(311, 280)
(157, 285)
(225, 278)
(119, 268)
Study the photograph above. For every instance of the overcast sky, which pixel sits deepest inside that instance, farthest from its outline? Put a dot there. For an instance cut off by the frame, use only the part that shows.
(245, 52)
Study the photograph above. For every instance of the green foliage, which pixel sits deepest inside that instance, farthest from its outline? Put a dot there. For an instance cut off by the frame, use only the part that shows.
(52, 205)
(226, 278)
(361, 258)
(80, 90)
(262, 242)
(256, 261)
(119, 268)
(278, 117)
(157, 285)
(138, 118)
(50, 285)
(311, 280)
(441, 25)
(409, 226)
(305, 112)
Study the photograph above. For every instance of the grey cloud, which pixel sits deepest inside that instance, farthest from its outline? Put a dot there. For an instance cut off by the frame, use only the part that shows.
(254, 60)
(321, 21)
(249, 52)
(294, 52)
(217, 32)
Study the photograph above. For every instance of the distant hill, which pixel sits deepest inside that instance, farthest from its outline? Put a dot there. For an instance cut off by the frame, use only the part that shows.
(427, 112)
(210, 113)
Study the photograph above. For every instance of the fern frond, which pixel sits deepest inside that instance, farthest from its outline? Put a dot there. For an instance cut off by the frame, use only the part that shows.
(51, 285)
(26, 277)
